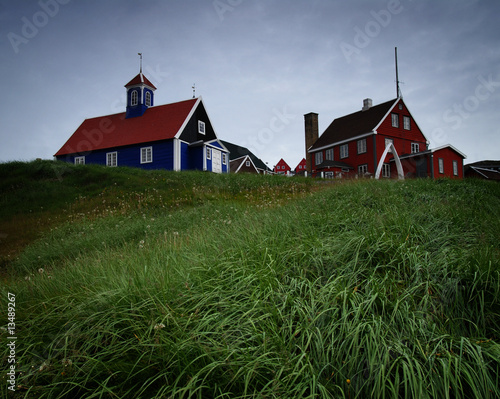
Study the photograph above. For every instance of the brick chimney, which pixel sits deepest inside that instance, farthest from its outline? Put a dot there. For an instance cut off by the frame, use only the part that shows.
(312, 134)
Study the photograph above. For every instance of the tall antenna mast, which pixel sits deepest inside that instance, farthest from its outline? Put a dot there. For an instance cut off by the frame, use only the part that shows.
(194, 90)
(140, 55)
(398, 91)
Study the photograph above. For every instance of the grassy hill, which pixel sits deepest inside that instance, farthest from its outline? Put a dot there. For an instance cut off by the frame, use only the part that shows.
(136, 284)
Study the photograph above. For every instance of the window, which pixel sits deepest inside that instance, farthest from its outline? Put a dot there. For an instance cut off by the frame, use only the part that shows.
(79, 160)
(318, 158)
(361, 146)
(441, 165)
(329, 154)
(415, 147)
(148, 99)
(362, 170)
(201, 127)
(224, 158)
(455, 168)
(147, 155)
(400, 106)
(247, 163)
(386, 170)
(329, 175)
(111, 159)
(134, 99)
(344, 151)
(209, 153)
(406, 122)
(387, 142)
(395, 120)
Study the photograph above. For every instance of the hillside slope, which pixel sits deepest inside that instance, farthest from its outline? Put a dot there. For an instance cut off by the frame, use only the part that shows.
(196, 285)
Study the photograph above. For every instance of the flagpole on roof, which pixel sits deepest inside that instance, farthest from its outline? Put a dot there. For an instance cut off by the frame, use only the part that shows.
(140, 55)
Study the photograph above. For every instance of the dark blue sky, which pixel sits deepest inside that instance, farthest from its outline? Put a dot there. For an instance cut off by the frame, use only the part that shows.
(259, 65)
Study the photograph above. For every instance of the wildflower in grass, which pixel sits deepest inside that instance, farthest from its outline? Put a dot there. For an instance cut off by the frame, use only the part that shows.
(159, 326)
(141, 244)
(40, 271)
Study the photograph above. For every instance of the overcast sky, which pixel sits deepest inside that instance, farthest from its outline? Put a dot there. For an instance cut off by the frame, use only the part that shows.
(259, 65)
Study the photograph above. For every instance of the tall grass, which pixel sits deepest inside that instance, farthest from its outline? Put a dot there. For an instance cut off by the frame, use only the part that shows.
(366, 289)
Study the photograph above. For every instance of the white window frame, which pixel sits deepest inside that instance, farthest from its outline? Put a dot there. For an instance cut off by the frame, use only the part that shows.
(415, 147)
(387, 142)
(441, 165)
(386, 170)
(134, 98)
(79, 160)
(344, 151)
(112, 159)
(406, 123)
(224, 158)
(395, 120)
(318, 158)
(146, 155)
(455, 168)
(362, 169)
(148, 99)
(201, 127)
(362, 146)
(329, 154)
(209, 153)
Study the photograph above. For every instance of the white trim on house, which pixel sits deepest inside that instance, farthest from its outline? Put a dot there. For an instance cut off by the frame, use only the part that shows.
(343, 141)
(146, 154)
(449, 146)
(177, 154)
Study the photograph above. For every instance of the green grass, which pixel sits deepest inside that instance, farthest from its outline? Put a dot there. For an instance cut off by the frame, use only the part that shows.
(193, 285)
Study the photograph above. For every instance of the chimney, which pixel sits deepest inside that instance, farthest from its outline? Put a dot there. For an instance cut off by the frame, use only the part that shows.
(312, 134)
(367, 104)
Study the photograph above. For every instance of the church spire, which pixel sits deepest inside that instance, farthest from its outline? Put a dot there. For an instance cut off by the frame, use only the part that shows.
(140, 93)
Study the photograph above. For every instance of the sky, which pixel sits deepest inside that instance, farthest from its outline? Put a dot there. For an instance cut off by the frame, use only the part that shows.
(259, 66)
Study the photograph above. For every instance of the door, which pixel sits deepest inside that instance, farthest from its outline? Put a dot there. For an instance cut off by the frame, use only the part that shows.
(216, 161)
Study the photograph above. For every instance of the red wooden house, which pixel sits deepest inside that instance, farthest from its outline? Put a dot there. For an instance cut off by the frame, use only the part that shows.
(282, 168)
(301, 167)
(381, 141)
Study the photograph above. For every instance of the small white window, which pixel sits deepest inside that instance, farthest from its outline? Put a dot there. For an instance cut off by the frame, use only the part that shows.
(362, 169)
(134, 99)
(209, 153)
(361, 146)
(415, 147)
(441, 165)
(318, 158)
(111, 159)
(201, 127)
(247, 163)
(455, 168)
(79, 160)
(329, 154)
(147, 155)
(386, 170)
(224, 158)
(148, 99)
(387, 142)
(344, 151)
(395, 120)
(406, 122)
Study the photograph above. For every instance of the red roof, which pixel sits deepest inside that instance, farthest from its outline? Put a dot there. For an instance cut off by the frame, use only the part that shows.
(157, 123)
(139, 79)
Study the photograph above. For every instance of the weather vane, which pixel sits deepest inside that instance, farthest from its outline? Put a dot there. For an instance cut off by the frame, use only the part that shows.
(140, 55)
(194, 90)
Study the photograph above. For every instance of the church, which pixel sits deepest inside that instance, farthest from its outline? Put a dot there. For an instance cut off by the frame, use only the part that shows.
(177, 136)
